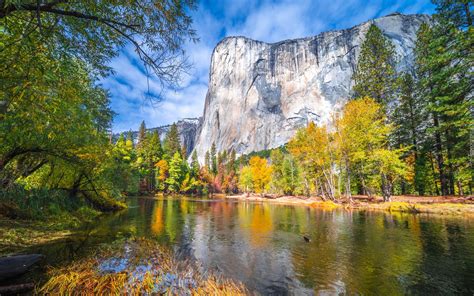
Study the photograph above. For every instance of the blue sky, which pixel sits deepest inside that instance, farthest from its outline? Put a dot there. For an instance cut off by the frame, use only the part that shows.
(268, 21)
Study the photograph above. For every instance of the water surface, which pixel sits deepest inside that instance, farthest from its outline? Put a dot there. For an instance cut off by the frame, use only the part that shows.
(262, 245)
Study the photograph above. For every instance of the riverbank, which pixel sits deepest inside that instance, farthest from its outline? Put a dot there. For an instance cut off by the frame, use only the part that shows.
(408, 204)
(19, 234)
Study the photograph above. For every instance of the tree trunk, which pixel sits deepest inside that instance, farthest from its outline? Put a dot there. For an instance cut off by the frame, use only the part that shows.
(386, 188)
(439, 156)
(348, 182)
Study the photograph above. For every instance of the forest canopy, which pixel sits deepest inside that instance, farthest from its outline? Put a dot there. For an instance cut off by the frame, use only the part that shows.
(55, 118)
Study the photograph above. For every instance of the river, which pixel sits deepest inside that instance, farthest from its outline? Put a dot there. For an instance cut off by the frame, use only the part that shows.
(262, 245)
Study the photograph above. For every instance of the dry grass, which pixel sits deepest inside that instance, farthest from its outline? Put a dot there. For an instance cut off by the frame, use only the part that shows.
(325, 205)
(439, 205)
(138, 266)
(436, 208)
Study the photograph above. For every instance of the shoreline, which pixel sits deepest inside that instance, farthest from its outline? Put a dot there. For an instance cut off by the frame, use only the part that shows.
(452, 206)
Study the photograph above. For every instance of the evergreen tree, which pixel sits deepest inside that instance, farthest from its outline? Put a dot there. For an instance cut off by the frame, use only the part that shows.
(194, 165)
(184, 153)
(374, 76)
(408, 118)
(232, 163)
(213, 159)
(175, 173)
(172, 142)
(207, 161)
(141, 135)
(444, 63)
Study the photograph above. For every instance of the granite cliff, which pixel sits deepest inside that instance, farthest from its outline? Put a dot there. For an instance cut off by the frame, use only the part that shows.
(260, 93)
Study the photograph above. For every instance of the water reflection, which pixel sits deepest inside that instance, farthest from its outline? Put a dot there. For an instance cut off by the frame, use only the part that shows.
(261, 245)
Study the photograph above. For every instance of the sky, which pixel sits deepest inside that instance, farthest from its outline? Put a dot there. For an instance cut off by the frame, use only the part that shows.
(266, 20)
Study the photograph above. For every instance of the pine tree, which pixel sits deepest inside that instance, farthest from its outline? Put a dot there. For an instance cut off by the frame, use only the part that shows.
(408, 119)
(194, 165)
(184, 153)
(172, 142)
(232, 164)
(141, 135)
(175, 173)
(207, 161)
(444, 66)
(213, 159)
(374, 76)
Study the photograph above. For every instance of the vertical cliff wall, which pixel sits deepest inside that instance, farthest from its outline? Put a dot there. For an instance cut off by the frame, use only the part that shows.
(260, 94)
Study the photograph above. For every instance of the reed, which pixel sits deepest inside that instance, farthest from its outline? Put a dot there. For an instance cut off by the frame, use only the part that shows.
(138, 266)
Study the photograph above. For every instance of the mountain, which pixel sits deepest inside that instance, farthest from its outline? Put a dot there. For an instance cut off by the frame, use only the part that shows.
(260, 93)
(188, 130)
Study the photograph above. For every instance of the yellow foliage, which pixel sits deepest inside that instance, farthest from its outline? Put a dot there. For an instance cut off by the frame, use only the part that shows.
(163, 168)
(325, 205)
(261, 173)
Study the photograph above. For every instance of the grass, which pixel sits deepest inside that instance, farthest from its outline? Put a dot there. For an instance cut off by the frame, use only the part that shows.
(30, 217)
(415, 208)
(325, 205)
(134, 267)
(15, 234)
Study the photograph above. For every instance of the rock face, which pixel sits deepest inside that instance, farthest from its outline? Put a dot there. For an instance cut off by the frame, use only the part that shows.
(188, 130)
(260, 94)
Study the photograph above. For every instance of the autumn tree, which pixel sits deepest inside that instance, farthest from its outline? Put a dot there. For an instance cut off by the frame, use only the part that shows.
(162, 168)
(246, 179)
(261, 174)
(313, 147)
(368, 156)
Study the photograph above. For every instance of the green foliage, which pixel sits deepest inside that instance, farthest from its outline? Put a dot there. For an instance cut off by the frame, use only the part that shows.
(375, 73)
(213, 159)
(94, 32)
(43, 204)
(194, 165)
(286, 177)
(141, 134)
(175, 173)
(245, 179)
(172, 143)
(444, 63)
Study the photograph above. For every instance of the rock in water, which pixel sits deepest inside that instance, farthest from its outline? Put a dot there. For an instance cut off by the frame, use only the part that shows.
(260, 94)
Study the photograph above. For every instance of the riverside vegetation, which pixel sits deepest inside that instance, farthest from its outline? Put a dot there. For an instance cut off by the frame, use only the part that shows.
(407, 133)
